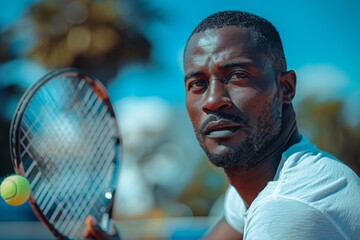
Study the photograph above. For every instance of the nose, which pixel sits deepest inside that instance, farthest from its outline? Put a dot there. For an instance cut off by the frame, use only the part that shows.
(217, 98)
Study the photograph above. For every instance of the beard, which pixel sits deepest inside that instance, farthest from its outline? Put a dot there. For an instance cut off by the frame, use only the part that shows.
(258, 142)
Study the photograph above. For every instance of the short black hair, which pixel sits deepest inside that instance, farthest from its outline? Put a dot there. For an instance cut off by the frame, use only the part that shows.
(264, 34)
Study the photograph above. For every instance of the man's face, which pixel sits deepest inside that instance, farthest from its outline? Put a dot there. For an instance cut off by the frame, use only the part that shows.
(231, 96)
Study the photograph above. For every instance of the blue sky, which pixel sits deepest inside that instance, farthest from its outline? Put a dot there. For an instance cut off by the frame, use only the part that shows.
(321, 41)
(316, 33)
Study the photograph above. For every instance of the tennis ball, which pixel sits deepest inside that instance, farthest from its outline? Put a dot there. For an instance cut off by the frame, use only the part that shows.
(15, 190)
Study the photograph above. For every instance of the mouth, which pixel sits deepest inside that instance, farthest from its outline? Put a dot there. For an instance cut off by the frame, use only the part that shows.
(221, 129)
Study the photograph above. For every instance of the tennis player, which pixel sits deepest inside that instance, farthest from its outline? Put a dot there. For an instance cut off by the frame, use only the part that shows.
(239, 96)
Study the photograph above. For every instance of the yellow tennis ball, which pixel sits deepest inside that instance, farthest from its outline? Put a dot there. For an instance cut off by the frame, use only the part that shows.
(15, 190)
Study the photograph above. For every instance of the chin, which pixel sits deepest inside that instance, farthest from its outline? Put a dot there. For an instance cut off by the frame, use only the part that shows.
(236, 151)
(225, 157)
(224, 153)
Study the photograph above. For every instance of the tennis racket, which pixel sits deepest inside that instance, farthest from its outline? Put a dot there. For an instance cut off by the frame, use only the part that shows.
(65, 140)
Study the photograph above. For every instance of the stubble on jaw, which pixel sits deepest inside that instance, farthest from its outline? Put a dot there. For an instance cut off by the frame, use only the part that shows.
(252, 151)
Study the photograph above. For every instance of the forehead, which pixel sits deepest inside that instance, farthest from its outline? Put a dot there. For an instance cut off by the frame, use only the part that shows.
(229, 39)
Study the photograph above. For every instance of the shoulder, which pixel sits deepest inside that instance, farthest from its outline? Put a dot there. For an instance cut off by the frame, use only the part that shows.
(305, 154)
(283, 218)
(311, 174)
(311, 188)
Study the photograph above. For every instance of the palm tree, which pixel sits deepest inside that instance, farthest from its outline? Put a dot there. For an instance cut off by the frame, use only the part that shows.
(99, 37)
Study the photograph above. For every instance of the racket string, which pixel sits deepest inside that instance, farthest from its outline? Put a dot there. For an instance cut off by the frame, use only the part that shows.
(88, 145)
(64, 210)
(78, 210)
(46, 149)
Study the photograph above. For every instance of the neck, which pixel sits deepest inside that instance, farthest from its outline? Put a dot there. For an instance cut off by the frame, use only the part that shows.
(250, 182)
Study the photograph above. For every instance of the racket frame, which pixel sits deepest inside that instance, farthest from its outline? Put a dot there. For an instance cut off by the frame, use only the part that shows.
(101, 91)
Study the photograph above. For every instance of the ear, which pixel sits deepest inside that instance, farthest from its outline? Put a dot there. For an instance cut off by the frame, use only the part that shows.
(287, 86)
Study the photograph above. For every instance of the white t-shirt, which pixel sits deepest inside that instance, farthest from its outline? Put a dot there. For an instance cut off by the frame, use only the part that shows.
(313, 196)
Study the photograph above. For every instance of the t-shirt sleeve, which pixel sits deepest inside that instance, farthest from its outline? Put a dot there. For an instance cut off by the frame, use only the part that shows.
(283, 218)
(235, 209)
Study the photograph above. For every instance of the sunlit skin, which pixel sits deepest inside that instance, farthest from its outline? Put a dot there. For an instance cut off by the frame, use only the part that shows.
(234, 81)
(235, 101)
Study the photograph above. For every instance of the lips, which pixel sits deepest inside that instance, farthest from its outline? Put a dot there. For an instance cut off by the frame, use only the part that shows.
(221, 128)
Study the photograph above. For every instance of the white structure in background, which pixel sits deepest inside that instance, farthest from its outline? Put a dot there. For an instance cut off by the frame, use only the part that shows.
(160, 150)
(322, 81)
(325, 82)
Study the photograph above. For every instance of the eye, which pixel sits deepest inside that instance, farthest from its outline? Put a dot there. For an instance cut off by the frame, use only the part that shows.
(197, 85)
(237, 76)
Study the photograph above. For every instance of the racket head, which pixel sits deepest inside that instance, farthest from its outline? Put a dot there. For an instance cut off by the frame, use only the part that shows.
(65, 139)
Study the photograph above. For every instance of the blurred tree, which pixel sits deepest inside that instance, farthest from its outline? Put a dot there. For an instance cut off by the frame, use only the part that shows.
(326, 126)
(99, 36)
(208, 183)
(6, 93)
(4, 49)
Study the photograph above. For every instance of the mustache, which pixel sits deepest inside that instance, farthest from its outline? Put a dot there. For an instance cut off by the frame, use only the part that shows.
(223, 116)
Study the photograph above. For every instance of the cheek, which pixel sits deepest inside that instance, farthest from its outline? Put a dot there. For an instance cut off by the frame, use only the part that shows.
(245, 99)
(252, 102)
(194, 111)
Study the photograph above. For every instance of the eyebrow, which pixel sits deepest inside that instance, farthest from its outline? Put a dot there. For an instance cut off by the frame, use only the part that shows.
(193, 74)
(236, 64)
(243, 64)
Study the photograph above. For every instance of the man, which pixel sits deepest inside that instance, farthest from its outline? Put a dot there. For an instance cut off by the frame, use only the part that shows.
(239, 98)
